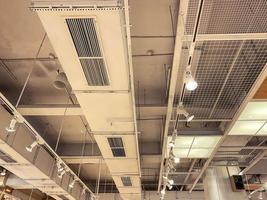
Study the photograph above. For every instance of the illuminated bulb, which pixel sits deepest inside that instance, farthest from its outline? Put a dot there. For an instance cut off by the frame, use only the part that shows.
(191, 85)
(12, 126)
(176, 160)
(171, 181)
(3, 172)
(29, 148)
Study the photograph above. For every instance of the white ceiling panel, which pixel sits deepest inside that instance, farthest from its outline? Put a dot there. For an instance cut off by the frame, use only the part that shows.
(254, 111)
(246, 127)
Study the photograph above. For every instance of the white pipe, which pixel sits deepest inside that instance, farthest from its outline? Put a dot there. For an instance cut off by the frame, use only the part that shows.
(129, 51)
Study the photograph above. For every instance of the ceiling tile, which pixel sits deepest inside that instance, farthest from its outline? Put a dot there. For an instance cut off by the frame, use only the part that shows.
(263, 130)
(246, 127)
(199, 153)
(206, 141)
(254, 111)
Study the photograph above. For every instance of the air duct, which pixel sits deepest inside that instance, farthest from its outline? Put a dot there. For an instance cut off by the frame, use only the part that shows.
(91, 44)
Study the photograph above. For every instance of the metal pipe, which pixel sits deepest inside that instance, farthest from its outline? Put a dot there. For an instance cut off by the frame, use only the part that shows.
(99, 175)
(254, 161)
(189, 173)
(130, 63)
(24, 86)
(172, 87)
(250, 95)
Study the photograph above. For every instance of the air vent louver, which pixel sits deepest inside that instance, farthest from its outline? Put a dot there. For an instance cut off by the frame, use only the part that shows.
(116, 146)
(126, 181)
(86, 42)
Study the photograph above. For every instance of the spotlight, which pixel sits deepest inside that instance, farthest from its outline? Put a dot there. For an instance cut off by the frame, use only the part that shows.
(3, 172)
(169, 186)
(60, 174)
(71, 185)
(30, 147)
(84, 190)
(162, 192)
(181, 110)
(59, 167)
(61, 81)
(188, 117)
(260, 195)
(12, 126)
(171, 144)
(173, 158)
(177, 160)
(170, 183)
(190, 83)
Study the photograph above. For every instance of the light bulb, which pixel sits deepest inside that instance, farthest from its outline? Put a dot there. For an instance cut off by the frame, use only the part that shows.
(171, 144)
(176, 160)
(3, 173)
(191, 84)
(171, 181)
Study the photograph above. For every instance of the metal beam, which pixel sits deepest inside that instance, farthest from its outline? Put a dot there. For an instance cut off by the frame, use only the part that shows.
(189, 173)
(50, 110)
(173, 78)
(218, 37)
(254, 161)
(145, 111)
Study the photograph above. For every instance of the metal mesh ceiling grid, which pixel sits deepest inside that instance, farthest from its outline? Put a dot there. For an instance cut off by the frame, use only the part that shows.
(247, 68)
(221, 90)
(227, 17)
(211, 70)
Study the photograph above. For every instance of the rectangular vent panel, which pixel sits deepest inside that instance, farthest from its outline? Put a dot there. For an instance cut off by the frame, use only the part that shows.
(86, 42)
(116, 145)
(126, 181)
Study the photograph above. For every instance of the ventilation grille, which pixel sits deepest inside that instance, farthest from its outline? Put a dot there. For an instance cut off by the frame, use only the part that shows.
(86, 42)
(116, 146)
(126, 181)
(5, 157)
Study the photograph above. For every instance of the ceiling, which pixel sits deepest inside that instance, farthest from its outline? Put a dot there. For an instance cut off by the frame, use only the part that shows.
(229, 57)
